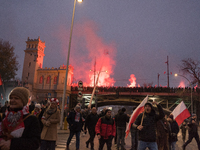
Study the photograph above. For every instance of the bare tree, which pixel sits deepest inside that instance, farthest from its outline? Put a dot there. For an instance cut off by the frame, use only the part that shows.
(192, 68)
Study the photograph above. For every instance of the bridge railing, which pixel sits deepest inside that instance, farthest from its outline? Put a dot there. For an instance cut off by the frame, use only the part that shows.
(138, 89)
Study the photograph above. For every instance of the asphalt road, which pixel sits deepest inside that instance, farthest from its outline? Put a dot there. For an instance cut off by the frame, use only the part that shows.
(63, 136)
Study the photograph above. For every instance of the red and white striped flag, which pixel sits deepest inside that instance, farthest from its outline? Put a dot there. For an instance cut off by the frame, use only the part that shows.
(135, 113)
(181, 113)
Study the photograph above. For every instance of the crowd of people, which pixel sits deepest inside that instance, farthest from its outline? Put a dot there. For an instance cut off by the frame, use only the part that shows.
(34, 126)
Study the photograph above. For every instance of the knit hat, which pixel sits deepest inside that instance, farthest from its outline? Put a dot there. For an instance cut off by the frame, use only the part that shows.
(22, 93)
(148, 104)
(77, 107)
(193, 115)
(38, 106)
(54, 100)
(107, 111)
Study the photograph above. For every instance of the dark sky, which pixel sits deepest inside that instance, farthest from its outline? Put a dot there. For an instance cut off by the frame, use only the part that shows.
(136, 35)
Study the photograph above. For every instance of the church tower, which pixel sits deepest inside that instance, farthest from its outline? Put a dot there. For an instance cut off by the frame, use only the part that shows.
(33, 60)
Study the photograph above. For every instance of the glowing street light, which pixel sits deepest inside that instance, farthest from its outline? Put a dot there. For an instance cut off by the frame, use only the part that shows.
(66, 74)
(190, 88)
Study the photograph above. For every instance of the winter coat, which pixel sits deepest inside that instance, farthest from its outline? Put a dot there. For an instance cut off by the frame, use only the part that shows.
(121, 119)
(193, 127)
(174, 131)
(91, 121)
(30, 138)
(148, 133)
(105, 127)
(73, 125)
(49, 133)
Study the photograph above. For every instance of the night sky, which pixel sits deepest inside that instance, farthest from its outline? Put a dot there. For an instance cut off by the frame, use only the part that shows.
(127, 37)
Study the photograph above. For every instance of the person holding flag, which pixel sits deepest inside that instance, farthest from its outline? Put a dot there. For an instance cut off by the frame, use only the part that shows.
(146, 124)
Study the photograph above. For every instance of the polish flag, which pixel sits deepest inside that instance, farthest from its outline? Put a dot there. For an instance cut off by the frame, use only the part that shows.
(135, 113)
(180, 113)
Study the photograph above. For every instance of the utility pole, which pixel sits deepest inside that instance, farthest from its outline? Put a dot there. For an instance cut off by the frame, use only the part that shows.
(158, 79)
(167, 71)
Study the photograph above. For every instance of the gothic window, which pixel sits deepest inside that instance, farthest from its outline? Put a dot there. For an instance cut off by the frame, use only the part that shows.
(29, 64)
(29, 46)
(41, 80)
(48, 80)
(55, 80)
(28, 74)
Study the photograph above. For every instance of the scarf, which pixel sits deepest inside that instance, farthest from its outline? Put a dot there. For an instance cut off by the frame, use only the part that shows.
(13, 122)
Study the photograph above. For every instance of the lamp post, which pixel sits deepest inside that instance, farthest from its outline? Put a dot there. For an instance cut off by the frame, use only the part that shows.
(66, 74)
(190, 87)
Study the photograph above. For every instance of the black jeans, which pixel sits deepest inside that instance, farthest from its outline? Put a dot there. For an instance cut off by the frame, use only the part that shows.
(191, 136)
(48, 145)
(120, 137)
(91, 139)
(134, 139)
(108, 142)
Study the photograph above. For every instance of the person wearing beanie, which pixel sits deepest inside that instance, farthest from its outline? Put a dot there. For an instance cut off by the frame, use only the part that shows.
(50, 120)
(75, 125)
(24, 129)
(38, 113)
(145, 123)
(193, 131)
(105, 130)
(174, 132)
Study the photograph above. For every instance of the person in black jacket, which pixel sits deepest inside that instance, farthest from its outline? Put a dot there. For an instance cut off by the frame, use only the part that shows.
(90, 124)
(146, 124)
(121, 120)
(75, 125)
(193, 131)
(19, 129)
(173, 132)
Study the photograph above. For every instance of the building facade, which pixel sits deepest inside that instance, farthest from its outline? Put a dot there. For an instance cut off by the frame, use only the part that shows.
(42, 82)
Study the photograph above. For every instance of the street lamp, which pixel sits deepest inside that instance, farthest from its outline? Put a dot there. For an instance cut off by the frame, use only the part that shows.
(190, 87)
(66, 74)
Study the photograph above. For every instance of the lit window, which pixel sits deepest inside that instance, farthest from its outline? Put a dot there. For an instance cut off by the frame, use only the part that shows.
(41, 80)
(48, 80)
(55, 80)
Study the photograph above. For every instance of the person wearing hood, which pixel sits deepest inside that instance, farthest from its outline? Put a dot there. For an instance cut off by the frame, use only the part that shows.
(105, 130)
(75, 125)
(193, 131)
(50, 119)
(19, 130)
(121, 119)
(146, 124)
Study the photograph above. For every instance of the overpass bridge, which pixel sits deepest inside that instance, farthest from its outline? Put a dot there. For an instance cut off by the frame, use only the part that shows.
(169, 98)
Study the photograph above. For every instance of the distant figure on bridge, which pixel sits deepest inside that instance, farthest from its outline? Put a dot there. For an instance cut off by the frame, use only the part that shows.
(105, 130)
(75, 125)
(146, 124)
(193, 131)
(90, 124)
(121, 120)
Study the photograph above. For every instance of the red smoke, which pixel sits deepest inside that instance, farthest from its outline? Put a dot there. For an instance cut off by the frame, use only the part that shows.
(87, 46)
(181, 84)
(132, 81)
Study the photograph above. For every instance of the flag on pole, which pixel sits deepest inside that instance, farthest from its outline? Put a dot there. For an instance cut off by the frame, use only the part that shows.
(135, 113)
(1, 82)
(180, 113)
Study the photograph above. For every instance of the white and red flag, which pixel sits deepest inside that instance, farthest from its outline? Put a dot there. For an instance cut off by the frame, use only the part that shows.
(135, 113)
(181, 113)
